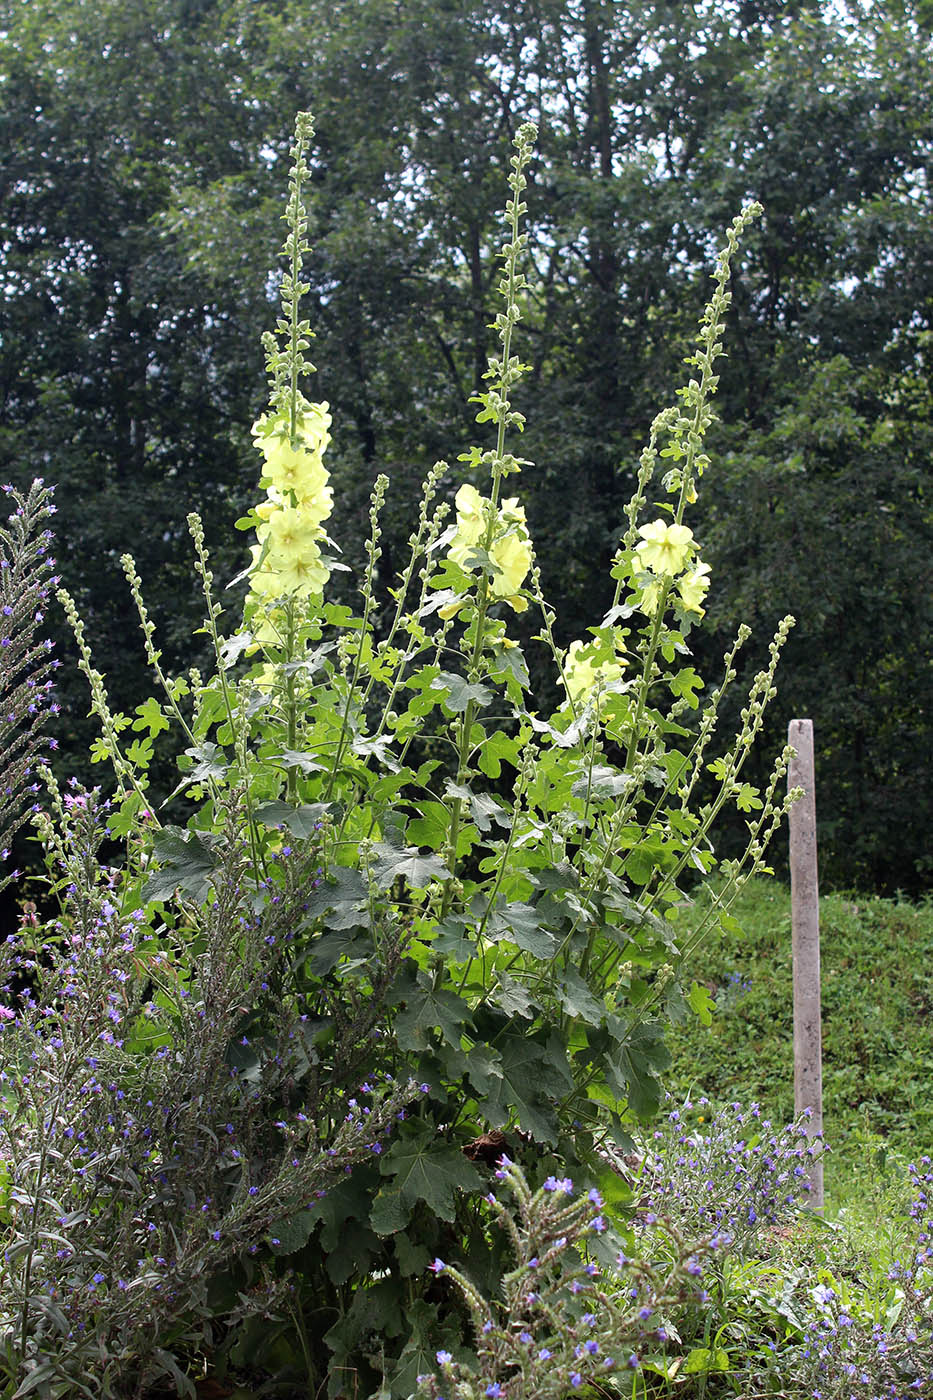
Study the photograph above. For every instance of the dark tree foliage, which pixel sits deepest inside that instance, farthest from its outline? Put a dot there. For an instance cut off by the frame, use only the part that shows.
(141, 151)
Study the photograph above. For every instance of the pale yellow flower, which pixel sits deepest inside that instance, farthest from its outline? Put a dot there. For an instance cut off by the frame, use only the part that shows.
(288, 575)
(287, 560)
(510, 551)
(264, 510)
(471, 523)
(300, 468)
(290, 533)
(269, 627)
(589, 665)
(665, 548)
(512, 557)
(315, 500)
(296, 470)
(302, 575)
(312, 429)
(266, 678)
(648, 598)
(693, 588)
(313, 508)
(263, 581)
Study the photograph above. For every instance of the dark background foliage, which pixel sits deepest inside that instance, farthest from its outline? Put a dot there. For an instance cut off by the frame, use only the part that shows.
(142, 154)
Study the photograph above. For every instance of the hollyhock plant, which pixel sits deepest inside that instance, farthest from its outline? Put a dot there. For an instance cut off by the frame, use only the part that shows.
(498, 904)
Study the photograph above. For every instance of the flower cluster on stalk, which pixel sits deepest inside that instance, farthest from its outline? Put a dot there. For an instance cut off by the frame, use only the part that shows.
(509, 546)
(728, 1171)
(875, 1347)
(590, 666)
(287, 560)
(663, 566)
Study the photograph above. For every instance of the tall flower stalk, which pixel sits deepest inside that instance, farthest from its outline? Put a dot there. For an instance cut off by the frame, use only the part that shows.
(26, 690)
(486, 533)
(287, 565)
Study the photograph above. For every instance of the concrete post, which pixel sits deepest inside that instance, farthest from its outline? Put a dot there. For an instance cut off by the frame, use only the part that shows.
(805, 920)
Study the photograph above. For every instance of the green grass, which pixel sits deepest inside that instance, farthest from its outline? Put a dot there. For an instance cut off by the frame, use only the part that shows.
(877, 985)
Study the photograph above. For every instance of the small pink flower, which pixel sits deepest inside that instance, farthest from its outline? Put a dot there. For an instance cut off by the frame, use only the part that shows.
(6, 1014)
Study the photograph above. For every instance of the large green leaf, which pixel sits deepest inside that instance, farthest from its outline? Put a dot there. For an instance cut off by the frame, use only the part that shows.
(211, 763)
(187, 859)
(484, 809)
(420, 1167)
(412, 1257)
(700, 1002)
(355, 1253)
(301, 822)
(513, 997)
(532, 1080)
(349, 1199)
(633, 1066)
(418, 1357)
(493, 749)
(292, 1232)
(338, 899)
(521, 925)
(601, 781)
(407, 864)
(702, 1360)
(460, 692)
(577, 999)
(327, 949)
(373, 1316)
(428, 1008)
(453, 940)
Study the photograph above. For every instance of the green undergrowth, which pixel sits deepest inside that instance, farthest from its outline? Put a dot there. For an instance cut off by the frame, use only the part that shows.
(877, 994)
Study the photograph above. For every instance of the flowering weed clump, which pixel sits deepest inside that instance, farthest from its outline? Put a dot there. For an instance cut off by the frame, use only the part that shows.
(563, 1323)
(167, 1121)
(867, 1331)
(727, 1171)
(793, 1306)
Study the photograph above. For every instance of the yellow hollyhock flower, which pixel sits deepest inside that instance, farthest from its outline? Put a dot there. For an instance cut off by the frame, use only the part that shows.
(587, 666)
(263, 581)
(665, 548)
(299, 469)
(291, 575)
(315, 501)
(289, 533)
(270, 627)
(287, 561)
(292, 469)
(266, 678)
(647, 599)
(312, 429)
(303, 574)
(264, 510)
(510, 550)
(471, 522)
(693, 588)
(512, 557)
(313, 508)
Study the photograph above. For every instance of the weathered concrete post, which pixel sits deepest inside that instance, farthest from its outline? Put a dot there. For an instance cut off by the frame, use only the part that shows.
(805, 920)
